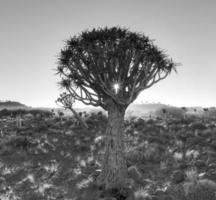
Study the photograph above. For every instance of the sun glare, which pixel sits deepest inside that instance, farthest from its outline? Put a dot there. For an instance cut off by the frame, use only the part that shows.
(116, 87)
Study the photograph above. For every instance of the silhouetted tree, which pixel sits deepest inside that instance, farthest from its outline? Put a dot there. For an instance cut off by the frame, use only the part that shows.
(53, 112)
(205, 109)
(18, 121)
(109, 67)
(206, 113)
(60, 114)
(164, 114)
(184, 109)
(67, 101)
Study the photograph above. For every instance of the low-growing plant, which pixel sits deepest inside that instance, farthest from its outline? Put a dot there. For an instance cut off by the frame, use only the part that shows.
(141, 194)
(200, 190)
(194, 188)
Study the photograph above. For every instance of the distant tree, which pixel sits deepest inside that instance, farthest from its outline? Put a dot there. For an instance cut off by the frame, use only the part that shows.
(109, 67)
(184, 109)
(206, 113)
(205, 109)
(53, 112)
(164, 113)
(67, 101)
(212, 112)
(60, 114)
(37, 113)
(4, 112)
(18, 121)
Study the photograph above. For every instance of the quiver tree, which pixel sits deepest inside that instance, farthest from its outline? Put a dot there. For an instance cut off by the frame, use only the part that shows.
(184, 109)
(206, 113)
(109, 68)
(67, 101)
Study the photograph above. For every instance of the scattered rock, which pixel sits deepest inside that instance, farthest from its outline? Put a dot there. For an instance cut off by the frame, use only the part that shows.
(134, 173)
(182, 166)
(69, 132)
(178, 177)
(212, 165)
(118, 194)
(200, 163)
(2, 183)
(6, 150)
(197, 126)
(95, 174)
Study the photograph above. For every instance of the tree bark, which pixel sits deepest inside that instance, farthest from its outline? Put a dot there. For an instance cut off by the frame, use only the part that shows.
(114, 170)
(79, 118)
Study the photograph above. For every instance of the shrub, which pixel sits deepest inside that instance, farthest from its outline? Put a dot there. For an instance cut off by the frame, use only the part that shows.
(194, 189)
(141, 194)
(176, 192)
(134, 156)
(200, 190)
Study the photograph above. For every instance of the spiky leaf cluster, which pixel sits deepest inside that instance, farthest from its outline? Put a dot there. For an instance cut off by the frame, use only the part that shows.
(92, 62)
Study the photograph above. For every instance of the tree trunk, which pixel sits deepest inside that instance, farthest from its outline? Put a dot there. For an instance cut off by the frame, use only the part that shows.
(79, 118)
(114, 170)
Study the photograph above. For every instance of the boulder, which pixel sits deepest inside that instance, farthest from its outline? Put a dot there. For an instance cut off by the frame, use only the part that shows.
(134, 173)
(178, 177)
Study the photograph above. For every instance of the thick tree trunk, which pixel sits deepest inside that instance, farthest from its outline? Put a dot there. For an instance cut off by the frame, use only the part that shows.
(114, 170)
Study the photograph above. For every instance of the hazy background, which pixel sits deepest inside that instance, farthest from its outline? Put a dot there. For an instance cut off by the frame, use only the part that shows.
(32, 34)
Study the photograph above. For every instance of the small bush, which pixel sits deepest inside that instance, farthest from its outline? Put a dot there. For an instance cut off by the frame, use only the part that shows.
(200, 190)
(194, 189)
(141, 194)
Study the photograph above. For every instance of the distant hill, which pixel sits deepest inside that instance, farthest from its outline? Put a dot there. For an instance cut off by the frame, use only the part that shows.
(137, 110)
(140, 110)
(12, 105)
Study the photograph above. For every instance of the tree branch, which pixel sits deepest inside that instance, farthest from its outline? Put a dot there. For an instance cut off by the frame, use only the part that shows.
(67, 101)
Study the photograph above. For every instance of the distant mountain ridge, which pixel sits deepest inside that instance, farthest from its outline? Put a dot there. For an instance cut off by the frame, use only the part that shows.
(143, 109)
(138, 110)
(133, 110)
(12, 105)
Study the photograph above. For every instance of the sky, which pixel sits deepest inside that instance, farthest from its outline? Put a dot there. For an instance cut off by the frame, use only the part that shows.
(32, 34)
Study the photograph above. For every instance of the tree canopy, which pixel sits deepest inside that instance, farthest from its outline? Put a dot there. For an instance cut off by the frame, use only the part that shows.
(114, 64)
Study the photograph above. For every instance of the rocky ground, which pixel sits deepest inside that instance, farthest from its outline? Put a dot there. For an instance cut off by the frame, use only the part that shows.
(49, 158)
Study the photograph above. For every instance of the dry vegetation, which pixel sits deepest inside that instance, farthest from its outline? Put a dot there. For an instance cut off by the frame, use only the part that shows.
(54, 158)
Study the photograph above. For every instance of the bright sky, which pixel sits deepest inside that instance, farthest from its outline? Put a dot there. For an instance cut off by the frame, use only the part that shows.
(32, 33)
